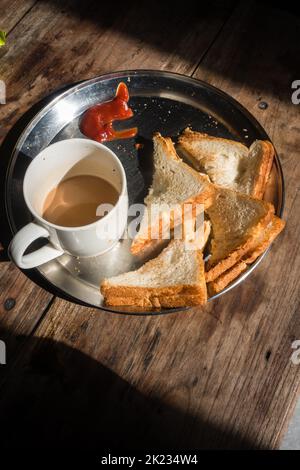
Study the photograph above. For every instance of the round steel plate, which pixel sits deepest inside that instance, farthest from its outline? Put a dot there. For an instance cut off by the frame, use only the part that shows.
(161, 101)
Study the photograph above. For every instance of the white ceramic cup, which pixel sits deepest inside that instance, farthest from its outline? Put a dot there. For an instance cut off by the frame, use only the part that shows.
(59, 161)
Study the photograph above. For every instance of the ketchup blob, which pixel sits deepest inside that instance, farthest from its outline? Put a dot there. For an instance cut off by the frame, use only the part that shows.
(97, 121)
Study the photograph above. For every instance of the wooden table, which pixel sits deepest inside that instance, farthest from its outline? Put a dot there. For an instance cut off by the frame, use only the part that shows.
(218, 377)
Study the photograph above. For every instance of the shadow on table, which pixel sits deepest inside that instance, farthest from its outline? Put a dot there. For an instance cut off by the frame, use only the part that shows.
(58, 397)
(166, 25)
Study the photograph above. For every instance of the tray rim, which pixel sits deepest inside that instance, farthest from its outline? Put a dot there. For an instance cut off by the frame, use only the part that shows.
(71, 88)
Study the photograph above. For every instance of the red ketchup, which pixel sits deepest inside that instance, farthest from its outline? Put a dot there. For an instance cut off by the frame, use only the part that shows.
(97, 122)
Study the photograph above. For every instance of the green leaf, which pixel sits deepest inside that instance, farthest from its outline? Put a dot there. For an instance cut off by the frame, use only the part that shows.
(2, 38)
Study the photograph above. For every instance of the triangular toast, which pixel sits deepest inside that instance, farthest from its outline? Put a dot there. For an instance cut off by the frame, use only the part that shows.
(175, 184)
(228, 163)
(242, 228)
(175, 278)
(267, 236)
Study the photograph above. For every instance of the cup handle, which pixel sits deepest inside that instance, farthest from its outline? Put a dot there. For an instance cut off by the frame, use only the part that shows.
(21, 242)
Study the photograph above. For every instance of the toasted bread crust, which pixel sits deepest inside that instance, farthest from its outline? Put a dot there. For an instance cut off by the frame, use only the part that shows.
(136, 291)
(276, 225)
(264, 170)
(154, 301)
(189, 135)
(224, 279)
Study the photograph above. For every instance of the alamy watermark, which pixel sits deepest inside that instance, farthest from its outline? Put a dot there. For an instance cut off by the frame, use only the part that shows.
(295, 357)
(2, 92)
(162, 222)
(2, 353)
(296, 94)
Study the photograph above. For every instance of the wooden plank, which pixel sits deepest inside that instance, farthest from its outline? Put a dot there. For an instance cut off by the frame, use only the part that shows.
(73, 42)
(80, 40)
(13, 11)
(22, 304)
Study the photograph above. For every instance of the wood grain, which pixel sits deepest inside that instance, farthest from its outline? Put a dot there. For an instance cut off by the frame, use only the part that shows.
(267, 75)
(217, 377)
(22, 304)
(46, 51)
(12, 11)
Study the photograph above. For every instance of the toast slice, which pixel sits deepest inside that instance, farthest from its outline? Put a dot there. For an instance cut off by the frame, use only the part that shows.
(228, 163)
(266, 237)
(226, 278)
(175, 278)
(175, 186)
(242, 228)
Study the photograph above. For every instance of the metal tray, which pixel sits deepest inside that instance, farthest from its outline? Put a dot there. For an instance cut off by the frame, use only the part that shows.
(162, 101)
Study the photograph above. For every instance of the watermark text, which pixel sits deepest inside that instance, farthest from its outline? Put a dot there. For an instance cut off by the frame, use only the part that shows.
(296, 94)
(295, 357)
(2, 353)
